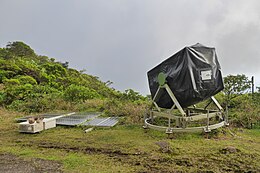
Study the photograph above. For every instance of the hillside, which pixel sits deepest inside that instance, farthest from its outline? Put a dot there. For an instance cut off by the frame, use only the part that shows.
(36, 83)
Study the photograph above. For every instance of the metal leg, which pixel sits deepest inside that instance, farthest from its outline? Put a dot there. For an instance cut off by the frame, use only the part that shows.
(145, 117)
(216, 103)
(207, 127)
(226, 117)
(208, 104)
(175, 101)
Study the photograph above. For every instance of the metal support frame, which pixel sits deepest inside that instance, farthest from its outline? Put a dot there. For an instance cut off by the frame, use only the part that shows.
(190, 116)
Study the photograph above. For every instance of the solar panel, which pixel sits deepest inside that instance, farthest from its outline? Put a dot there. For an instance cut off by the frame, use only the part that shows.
(85, 118)
(76, 119)
(102, 122)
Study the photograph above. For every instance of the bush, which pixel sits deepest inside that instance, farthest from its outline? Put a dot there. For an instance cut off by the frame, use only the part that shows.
(26, 80)
(91, 105)
(132, 95)
(1, 98)
(45, 103)
(11, 82)
(76, 93)
(244, 112)
(131, 111)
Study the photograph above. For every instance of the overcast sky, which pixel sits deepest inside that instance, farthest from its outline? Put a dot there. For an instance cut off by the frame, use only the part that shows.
(120, 40)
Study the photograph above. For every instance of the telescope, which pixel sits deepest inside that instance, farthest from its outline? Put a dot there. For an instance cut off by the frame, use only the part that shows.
(190, 76)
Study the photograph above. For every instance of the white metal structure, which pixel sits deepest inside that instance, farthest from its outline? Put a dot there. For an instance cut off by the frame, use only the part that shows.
(186, 116)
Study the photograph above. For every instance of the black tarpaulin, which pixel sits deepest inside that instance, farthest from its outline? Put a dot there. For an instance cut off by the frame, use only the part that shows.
(193, 74)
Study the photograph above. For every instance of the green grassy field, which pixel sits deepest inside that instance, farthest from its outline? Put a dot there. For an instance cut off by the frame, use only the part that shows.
(130, 149)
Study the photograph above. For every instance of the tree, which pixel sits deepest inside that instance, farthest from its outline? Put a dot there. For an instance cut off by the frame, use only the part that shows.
(4, 54)
(132, 95)
(235, 85)
(20, 49)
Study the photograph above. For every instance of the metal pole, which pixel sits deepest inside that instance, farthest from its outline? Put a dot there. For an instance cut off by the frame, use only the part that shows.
(207, 120)
(253, 86)
(169, 129)
(226, 116)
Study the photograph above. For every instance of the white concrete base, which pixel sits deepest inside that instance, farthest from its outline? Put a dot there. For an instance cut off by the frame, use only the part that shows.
(25, 127)
(47, 124)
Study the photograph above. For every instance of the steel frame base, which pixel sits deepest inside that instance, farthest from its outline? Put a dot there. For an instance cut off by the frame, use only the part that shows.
(181, 121)
(168, 130)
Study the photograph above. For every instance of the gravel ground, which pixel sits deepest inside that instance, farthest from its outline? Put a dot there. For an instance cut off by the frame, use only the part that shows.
(13, 164)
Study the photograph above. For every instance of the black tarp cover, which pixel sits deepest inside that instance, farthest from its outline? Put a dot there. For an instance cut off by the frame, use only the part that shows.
(193, 74)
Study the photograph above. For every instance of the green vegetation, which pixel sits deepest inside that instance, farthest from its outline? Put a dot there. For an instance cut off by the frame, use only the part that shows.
(31, 83)
(243, 106)
(34, 83)
(129, 148)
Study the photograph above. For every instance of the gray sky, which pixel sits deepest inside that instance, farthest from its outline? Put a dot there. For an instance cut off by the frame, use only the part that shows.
(120, 40)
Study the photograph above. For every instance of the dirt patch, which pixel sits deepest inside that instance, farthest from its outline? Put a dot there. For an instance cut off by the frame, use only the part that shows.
(135, 159)
(87, 150)
(229, 150)
(164, 146)
(10, 163)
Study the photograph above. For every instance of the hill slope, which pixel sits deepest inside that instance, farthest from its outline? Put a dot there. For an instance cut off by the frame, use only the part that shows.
(35, 83)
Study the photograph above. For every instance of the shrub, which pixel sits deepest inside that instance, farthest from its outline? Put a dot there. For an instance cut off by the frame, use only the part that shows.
(76, 93)
(132, 112)
(26, 80)
(2, 96)
(45, 103)
(11, 82)
(20, 49)
(244, 112)
(91, 105)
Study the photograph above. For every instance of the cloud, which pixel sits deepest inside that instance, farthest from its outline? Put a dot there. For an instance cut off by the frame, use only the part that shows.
(121, 40)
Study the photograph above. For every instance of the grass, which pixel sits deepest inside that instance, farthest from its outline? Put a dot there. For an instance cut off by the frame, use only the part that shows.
(131, 149)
